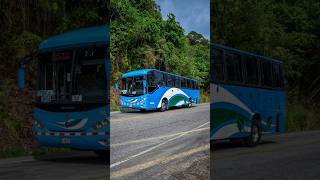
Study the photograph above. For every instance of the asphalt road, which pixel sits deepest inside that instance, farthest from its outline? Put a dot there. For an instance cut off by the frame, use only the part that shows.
(71, 165)
(291, 156)
(161, 145)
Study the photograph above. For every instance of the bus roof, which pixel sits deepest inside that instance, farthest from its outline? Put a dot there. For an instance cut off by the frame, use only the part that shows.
(142, 72)
(85, 36)
(243, 52)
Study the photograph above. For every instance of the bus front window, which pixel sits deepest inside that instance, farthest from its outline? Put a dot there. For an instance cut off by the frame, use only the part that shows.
(65, 77)
(132, 86)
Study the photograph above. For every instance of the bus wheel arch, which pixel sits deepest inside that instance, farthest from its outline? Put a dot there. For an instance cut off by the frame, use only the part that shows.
(164, 104)
(255, 133)
(189, 105)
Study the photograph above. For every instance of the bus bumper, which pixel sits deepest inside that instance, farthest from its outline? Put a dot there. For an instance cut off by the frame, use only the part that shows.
(81, 141)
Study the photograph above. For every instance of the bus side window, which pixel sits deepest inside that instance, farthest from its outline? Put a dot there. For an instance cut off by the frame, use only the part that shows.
(159, 78)
(152, 81)
(277, 76)
(170, 81)
(281, 76)
(189, 84)
(251, 68)
(266, 73)
(183, 83)
(217, 65)
(165, 78)
(233, 68)
(276, 79)
(178, 82)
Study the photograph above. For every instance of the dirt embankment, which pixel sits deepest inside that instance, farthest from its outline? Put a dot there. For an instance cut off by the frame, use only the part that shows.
(15, 114)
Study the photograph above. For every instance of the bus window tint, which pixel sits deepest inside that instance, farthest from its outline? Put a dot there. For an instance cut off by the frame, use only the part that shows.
(266, 73)
(217, 65)
(281, 76)
(183, 83)
(170, 80)
(233, 68)
(152, 82)
(189, 84)
(90, 74)
(177, 82)
(46, 82)
(251, 65)
(160, 79)
(277, 76)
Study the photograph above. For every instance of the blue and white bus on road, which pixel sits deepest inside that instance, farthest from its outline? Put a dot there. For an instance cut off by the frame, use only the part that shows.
(150, 89)
(72, 97)
(247, 95)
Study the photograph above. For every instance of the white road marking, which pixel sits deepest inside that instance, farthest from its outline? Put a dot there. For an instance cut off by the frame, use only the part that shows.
(162, 160)
(156, 146)
(158, 137)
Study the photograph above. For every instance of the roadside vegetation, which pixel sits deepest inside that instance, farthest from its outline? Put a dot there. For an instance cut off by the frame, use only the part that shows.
(286, 30)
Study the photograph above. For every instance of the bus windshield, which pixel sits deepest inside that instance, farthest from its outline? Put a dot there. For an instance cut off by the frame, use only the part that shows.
(132, 86)
(72, 76)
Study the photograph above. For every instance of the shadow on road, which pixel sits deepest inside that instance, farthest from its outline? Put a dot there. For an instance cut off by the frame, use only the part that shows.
(74, 158)
(218, 146)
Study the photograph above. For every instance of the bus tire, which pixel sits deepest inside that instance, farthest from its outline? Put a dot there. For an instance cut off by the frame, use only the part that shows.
(189, 105)
(164, 105)
(255, 134)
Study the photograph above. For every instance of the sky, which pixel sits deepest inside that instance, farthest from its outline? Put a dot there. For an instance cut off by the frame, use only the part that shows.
(193, 15)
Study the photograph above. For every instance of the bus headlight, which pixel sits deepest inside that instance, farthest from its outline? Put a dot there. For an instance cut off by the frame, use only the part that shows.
(38, 124)
(100, 124)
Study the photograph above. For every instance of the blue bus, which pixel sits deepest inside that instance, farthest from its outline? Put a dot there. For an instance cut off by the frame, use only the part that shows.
(150, 89)
(72, 96)
(247, 95)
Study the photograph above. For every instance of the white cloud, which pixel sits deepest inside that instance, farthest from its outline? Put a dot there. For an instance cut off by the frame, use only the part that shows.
(193, 15)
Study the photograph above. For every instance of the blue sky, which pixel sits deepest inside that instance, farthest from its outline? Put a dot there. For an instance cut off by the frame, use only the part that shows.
(193, 15)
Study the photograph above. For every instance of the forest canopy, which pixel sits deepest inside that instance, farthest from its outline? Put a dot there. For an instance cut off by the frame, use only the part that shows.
(141, 38)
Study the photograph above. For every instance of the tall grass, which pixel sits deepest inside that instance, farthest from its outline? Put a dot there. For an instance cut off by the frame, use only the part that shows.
(301, 117)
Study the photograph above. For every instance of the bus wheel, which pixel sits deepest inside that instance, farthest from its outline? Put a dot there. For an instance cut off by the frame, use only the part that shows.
(255, 135)
(164, 105)
(189, 104)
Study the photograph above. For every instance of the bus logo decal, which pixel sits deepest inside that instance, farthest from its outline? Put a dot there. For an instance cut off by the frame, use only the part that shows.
(73, 124)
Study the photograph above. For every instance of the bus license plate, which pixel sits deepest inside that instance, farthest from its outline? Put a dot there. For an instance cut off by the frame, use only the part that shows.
(65, 141)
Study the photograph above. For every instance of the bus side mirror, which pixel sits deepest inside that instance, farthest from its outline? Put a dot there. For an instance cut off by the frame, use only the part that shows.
(21, 77)
(116, 86)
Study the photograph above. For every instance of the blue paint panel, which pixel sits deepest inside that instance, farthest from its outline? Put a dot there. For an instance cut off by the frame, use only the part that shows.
(77, 142)
(136, 73)
(269, 104)
(151, 101)
(51, 120)
(81, 37)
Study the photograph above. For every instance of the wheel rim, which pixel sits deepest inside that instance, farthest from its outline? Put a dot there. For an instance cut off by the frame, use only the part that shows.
(255, 134)
(163, 106)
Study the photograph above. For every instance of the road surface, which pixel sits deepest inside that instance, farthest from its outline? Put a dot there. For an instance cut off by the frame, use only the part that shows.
(71, 165)
(161, 145)
(291, 156)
